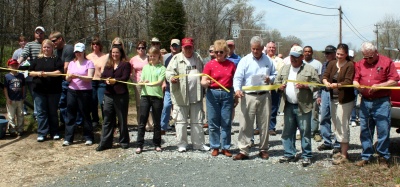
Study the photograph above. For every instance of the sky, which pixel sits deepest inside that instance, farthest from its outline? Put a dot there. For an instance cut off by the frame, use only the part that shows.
(320, 31)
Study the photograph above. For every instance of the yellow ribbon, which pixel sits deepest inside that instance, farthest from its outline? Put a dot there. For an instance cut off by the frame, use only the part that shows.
(202, 74)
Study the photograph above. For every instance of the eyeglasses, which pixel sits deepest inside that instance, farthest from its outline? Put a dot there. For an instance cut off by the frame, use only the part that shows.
(139, 48)
(219, 52)
(368, 57)
(211, 51)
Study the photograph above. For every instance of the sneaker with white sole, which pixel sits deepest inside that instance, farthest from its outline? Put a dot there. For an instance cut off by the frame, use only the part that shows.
(66, 143)
(56, 137)
(40, 139)
(202, 148)
(181, 149)
(353, 124)
(89, 142)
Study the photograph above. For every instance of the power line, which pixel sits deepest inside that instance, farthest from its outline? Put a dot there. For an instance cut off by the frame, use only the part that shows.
(314, 5)
(302, 10)
(353, 26)
(354, 31)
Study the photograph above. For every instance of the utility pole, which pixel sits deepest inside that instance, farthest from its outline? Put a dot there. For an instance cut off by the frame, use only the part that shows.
(376, 31)
(278, 44)
(340, 24)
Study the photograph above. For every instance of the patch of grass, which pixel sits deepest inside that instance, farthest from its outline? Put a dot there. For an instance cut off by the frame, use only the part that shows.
(370, 175)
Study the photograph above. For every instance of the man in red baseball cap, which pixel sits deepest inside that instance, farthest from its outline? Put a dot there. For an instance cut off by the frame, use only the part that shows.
(187, 95)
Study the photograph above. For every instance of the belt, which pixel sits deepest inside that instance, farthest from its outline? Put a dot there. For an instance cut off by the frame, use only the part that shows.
(372, 99)
(257, 93)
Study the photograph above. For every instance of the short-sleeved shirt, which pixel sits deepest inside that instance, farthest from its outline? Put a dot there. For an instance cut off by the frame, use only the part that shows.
(316, 64)
(82, 70)
(17, 53)
(369, 74)
(153, 74)
(14, 85)
(66, 54)
(234, 58)
(137, 65)
(47, 85)
(222, 72)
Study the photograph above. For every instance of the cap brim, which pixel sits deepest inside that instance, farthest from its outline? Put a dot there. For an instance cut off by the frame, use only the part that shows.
(191, 45)
(294, 54)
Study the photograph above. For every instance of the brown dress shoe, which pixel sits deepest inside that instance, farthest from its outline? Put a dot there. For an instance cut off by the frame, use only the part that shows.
(240, 156)
(272, 132)
(362, 163)
(226, 153)
(215, 152)
(264, 155)
(256, 132)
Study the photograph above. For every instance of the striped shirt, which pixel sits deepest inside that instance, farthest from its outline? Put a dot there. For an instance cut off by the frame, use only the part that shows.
(31, 50)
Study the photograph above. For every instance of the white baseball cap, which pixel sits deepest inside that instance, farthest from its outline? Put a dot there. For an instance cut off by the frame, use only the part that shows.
(79, 47)
(296, 51)
(40, 27)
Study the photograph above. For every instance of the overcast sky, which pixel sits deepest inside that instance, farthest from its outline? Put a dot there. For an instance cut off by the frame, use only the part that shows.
(320, 31)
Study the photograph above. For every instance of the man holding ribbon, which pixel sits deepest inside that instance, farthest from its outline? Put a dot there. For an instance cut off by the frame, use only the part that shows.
(298, 104)
(374, 70)
(183, 72)
(254, 69)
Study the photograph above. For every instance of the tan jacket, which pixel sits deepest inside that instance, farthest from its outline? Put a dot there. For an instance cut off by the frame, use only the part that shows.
(177, 66)
(306, 73)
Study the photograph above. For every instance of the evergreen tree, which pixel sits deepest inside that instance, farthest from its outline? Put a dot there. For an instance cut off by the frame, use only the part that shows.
(168, 21)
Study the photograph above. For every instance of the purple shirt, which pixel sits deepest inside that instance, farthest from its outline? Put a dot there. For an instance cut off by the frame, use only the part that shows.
(82, 70)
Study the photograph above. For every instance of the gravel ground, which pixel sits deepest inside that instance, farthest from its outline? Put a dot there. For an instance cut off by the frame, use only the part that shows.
(197, 168)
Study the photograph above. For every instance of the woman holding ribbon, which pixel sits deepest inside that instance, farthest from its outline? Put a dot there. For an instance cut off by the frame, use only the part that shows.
(46, 70)
(151, 97)
(219, 101)
(116, 99)
(340, 72)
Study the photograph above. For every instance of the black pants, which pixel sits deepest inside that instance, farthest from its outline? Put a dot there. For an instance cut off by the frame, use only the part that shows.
(78, 101)
(156, 103)
(115, 106)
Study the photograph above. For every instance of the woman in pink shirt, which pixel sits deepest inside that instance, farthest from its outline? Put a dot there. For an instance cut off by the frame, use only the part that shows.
(79, 96)
(138, 62)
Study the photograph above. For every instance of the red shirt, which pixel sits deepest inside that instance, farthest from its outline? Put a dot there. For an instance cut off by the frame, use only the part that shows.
(222, 72)
(379, 72)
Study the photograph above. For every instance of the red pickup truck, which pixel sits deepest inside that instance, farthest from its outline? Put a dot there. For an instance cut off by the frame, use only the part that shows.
(395, 99)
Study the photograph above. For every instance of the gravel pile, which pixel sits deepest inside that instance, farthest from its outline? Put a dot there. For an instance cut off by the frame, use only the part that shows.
(197, 168)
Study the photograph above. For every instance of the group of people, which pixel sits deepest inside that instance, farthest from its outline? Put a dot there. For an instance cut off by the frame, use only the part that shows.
(62, 77)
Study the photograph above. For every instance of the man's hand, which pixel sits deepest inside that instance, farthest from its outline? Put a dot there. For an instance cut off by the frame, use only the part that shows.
(174, 80)
(267, 80)
(239, 94)
(319, 100)
(373, 89)
(301, 86)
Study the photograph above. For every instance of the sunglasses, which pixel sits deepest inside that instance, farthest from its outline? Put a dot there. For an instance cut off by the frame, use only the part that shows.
(211, 51)
(219, 52)
(139, 48)
(95, 44)
(54, 40)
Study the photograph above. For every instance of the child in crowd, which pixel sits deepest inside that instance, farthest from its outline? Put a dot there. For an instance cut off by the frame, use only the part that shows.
(14, 84)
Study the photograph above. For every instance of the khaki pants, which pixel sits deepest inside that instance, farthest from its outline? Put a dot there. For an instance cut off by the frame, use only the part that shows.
(254, 107)
(15, 112)
(195, 114)
(340, 114)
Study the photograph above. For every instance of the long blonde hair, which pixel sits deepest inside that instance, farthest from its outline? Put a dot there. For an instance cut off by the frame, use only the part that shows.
(46, 41)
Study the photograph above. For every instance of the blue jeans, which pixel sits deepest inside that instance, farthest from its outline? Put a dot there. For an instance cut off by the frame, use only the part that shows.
(275, 101)
(100, 96)
(315, 118)
(373, 113)
(79, 101)
(47, 116)
(325, 124)
(166, 111)
(219, 114)
(354, 112)
(294, 119)
(62, 105)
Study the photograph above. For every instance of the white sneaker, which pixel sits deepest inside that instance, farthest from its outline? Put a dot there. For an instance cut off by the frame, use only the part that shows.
(40, 139)
(89, 142)
(181, 149)
(353, 124)
(56, 137)
(66, 143)
(203, 148)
